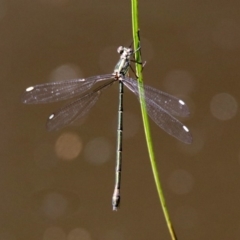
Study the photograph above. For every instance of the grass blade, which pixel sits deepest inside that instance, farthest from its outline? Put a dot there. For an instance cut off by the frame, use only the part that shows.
(136, 41)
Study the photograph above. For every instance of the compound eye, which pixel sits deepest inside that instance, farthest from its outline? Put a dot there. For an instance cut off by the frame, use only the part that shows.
(120, 50)
(129, 51)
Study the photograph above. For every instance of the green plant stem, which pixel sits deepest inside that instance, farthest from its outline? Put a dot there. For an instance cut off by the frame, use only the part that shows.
(136, 41)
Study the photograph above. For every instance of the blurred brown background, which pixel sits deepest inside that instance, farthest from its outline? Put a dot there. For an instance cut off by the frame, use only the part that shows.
(58, 185)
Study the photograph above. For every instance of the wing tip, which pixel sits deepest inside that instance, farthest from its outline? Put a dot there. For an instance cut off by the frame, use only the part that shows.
(188, 139)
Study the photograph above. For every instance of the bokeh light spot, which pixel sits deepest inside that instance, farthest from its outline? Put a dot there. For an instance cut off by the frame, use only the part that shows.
(68, 146)
(223, 106)
(180, 182)
(179, 82)
(54, 205)
(65, 72)
(79, 234)
(97, 151)
(114, 234)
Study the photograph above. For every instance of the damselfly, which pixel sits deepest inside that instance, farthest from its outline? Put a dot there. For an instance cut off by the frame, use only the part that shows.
(161, 107)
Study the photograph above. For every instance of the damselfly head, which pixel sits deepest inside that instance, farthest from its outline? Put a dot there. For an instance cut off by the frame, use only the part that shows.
(120, 49)
(129, 50)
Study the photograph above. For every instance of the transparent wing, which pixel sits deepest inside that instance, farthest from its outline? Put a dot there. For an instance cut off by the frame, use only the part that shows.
(74, 110)
(161, 112)
(57, 91)
(168, 123)
(171, 104)
(71, 112)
